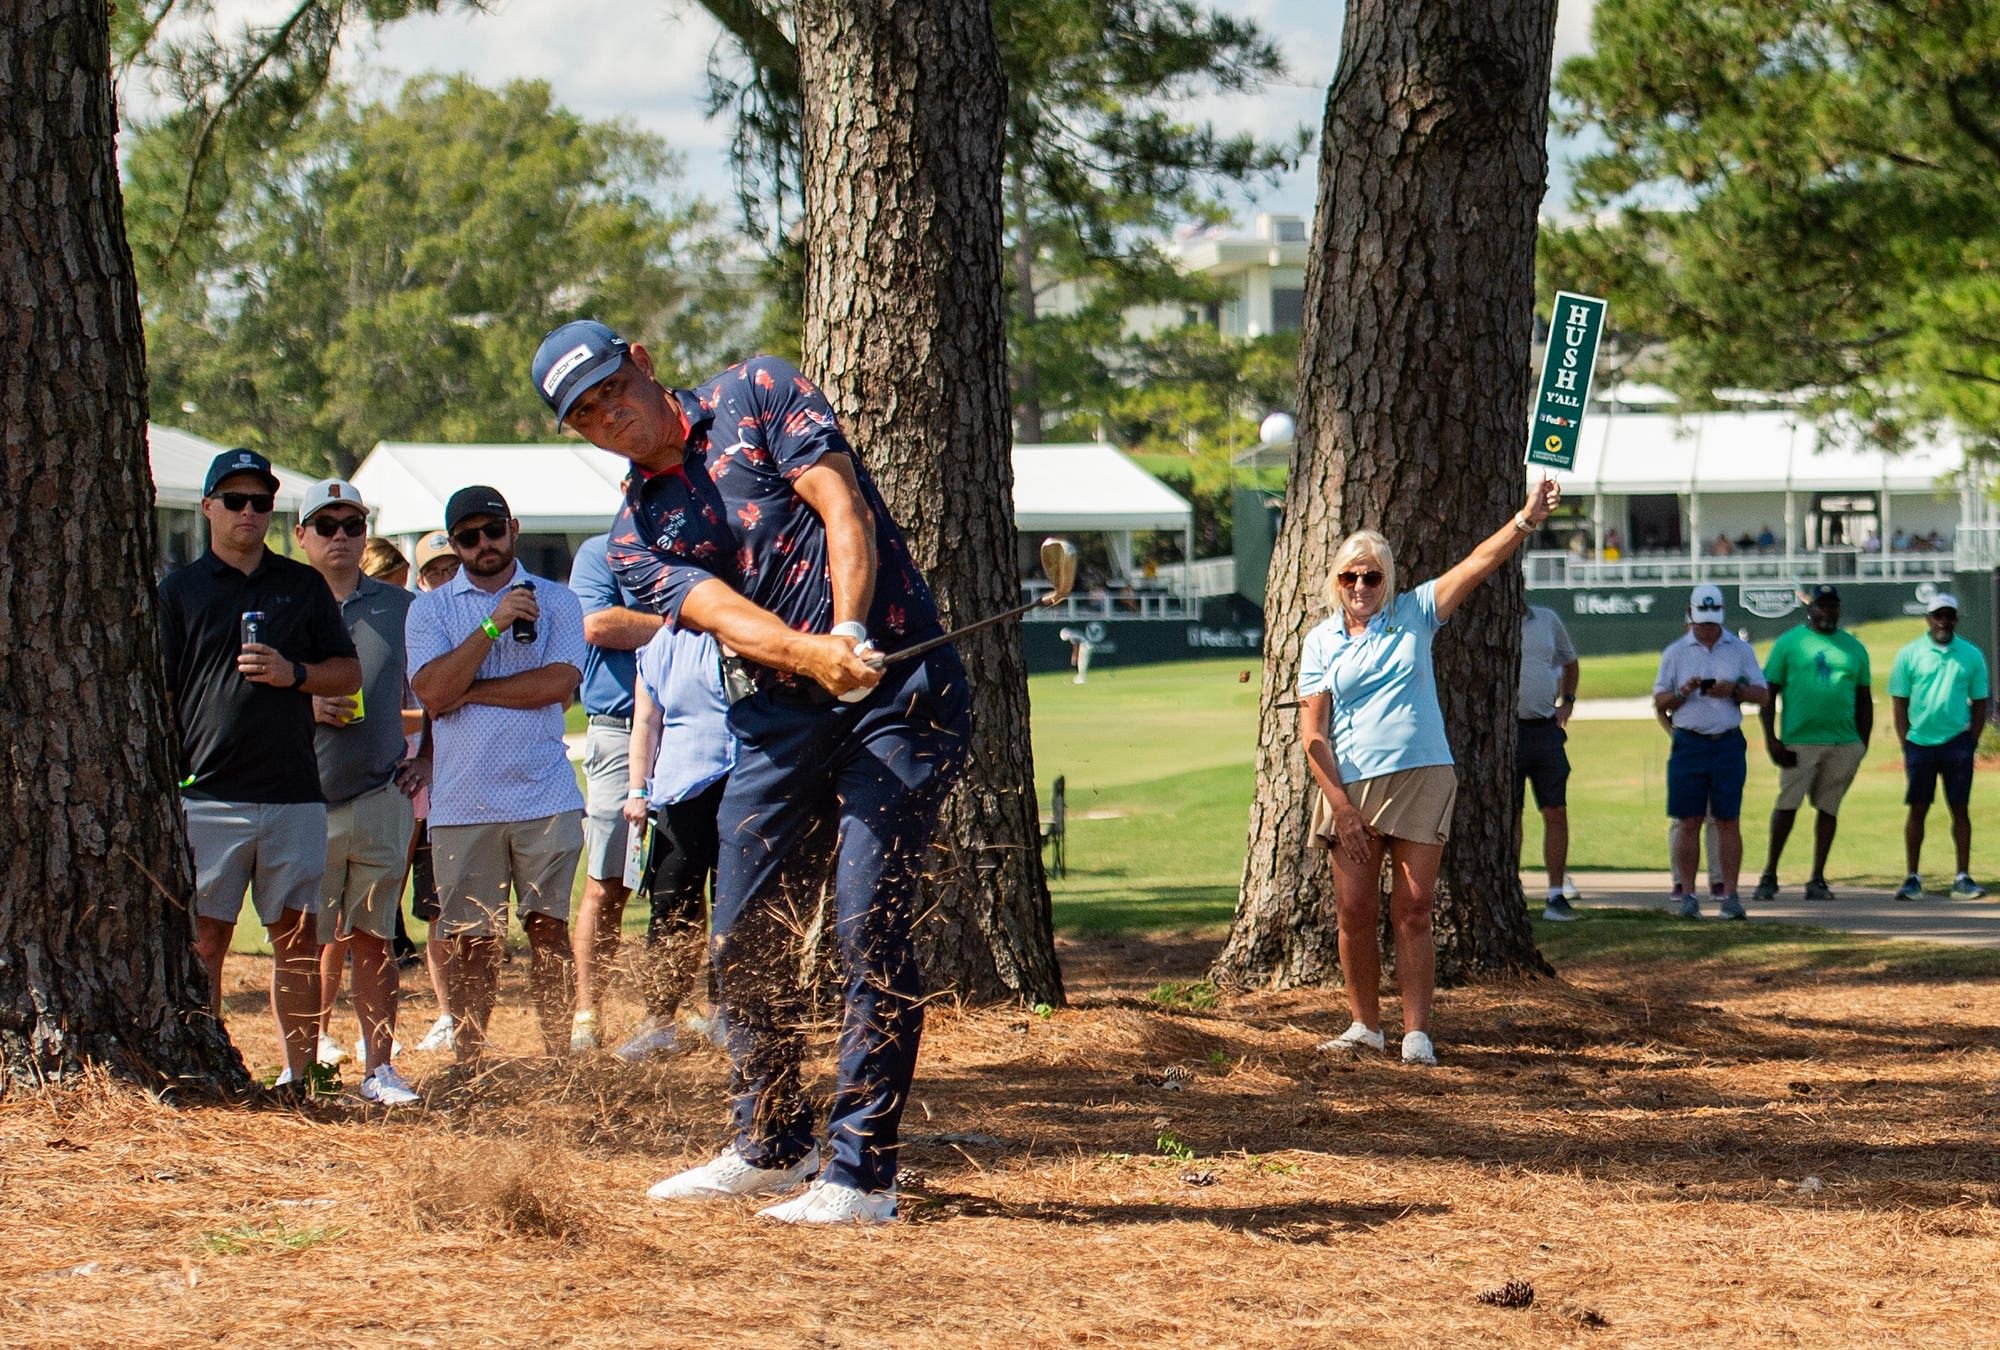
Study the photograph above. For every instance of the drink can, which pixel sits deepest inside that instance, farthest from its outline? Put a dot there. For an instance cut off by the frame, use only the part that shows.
(253, 626)
(524, 629)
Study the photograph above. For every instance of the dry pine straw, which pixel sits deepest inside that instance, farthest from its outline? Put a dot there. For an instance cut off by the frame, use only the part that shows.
(1631, 1142)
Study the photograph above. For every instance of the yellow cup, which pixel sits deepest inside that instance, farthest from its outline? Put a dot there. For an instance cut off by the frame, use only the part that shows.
(359, 711)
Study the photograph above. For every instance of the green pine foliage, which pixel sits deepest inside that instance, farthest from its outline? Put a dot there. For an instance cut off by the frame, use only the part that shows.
(384, 270)
(1797, 195)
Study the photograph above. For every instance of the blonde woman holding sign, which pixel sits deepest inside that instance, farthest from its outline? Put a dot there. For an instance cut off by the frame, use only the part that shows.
(1375, 741)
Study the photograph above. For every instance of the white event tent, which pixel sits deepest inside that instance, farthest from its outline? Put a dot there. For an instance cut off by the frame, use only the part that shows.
(1737, 472)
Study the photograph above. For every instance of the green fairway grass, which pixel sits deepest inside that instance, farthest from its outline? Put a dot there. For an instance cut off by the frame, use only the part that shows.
(1159, 762)
(1638, 936)
(1160, 766)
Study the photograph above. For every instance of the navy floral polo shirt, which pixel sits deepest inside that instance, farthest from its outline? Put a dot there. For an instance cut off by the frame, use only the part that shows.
(730, 512)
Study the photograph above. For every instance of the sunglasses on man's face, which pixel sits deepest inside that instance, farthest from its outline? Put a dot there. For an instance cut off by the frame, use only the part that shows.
(260, 502)
(469, 536)
(326, 527)
(1353, 579)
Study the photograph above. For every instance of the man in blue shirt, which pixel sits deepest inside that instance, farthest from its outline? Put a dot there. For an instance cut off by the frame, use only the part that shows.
(615, 629)
(495, 654)
(1704, 680)
(749, 516)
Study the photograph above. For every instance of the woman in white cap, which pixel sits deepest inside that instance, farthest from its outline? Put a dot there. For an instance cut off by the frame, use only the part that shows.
(1375, 740)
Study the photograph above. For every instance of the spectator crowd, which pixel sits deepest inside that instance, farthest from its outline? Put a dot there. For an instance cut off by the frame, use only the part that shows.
(343, 734)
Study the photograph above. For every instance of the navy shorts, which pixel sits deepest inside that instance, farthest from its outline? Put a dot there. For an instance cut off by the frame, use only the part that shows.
(1923, 765)
(1542, 762)
(1705, 776)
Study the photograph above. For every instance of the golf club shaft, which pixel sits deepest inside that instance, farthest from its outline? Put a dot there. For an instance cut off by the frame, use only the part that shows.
(906, 653)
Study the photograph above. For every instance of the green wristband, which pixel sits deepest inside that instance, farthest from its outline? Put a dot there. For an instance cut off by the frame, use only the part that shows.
(490, 628)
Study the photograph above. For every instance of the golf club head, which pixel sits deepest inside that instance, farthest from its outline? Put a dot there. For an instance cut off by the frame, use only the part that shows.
(1059, 566)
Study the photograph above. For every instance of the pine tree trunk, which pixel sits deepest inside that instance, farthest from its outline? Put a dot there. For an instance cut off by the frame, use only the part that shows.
(97, 961)
(1412, 421)
(904, 325)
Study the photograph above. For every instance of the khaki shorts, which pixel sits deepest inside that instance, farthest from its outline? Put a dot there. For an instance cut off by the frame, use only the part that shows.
(273, 851)
(477, 865)
(1823, 773)
(606, 836)
(1412, 804)
(367, 846)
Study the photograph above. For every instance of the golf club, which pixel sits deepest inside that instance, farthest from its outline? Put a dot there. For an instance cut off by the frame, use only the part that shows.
(1058, 565)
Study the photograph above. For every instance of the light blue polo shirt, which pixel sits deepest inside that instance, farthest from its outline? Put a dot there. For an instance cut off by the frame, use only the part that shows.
(681, 671)
(1385, 706)
(498, 764)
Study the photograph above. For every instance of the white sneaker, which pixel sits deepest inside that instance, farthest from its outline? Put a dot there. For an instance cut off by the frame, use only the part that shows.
(652, 1038)
(583, 1033)
(443, 1035)
(386, 1087)
(830, 1202)
(1417, 1048)
(1354, 1040)
(1570, 892)
(330, 1052)
(709, 1028)
(361, 1051)
(727, 1175)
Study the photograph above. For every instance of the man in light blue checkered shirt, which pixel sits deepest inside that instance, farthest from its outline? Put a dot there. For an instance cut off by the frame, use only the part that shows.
(495, 655)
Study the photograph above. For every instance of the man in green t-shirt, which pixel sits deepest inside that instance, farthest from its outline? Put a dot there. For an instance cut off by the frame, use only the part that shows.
(1821, 675)
(1939, 689)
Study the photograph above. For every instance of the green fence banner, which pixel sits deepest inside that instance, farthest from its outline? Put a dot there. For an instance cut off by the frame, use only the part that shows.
(1574, 329)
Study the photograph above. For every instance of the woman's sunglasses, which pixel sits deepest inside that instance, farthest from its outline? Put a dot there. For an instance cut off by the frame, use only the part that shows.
(1353, 579)
(260, 502)
(353, 527)
(469, 536)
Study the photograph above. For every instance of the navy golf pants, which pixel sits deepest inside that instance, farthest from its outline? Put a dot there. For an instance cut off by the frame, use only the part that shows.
(878, 771)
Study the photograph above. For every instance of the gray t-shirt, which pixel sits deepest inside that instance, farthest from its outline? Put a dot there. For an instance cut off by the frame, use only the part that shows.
(1545, 650)
(362, 756)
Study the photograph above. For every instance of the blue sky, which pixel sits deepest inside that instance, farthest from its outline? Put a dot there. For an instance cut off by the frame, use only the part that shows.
(585, 50)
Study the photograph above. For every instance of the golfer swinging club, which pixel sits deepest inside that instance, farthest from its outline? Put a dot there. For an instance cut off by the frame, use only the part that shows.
(749, 516)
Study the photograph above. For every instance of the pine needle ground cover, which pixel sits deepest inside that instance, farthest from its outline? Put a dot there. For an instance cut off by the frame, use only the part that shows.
(1761, 1140)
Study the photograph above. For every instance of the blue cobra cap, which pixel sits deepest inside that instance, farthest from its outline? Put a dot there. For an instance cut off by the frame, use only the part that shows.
(571, 359)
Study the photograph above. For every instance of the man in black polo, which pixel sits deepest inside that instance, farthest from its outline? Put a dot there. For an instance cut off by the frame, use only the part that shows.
(256, 819)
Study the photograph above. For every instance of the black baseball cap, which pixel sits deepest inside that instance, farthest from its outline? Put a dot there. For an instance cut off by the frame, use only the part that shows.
(475, 501)
(1822, 593)
(238, 461)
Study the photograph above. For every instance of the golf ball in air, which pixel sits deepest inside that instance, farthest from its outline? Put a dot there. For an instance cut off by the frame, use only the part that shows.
(1277, 429)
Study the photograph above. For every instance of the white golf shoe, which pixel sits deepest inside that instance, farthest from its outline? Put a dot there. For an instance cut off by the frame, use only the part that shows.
(727, 1174)
(1353, 1041)
(830, 1202)
(651, 1038)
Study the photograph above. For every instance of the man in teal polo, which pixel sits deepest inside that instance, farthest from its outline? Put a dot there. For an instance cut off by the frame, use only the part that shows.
(1940, 691)
(1820, 674)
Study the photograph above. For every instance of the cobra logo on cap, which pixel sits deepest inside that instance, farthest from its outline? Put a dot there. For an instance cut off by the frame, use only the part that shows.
(566, 363)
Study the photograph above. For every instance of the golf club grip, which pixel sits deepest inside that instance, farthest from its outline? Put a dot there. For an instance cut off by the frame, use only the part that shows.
(933, 644)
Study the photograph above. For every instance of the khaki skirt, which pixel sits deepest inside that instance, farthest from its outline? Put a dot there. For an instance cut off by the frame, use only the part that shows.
(1412, 804)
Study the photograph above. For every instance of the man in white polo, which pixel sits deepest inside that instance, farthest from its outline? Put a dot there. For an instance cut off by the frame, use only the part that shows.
(1705, 678)
(495, 654)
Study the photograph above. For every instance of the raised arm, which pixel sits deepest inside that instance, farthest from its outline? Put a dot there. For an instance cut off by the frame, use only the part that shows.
(1485, 560)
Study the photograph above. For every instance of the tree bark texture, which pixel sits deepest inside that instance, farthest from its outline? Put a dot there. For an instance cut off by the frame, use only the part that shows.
(1412, 421)
(905, 326)
(97, 961)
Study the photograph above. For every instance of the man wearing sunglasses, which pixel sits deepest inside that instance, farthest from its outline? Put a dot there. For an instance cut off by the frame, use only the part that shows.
(505, 812)
(750, 517)
(251, 796)
(368, 784)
